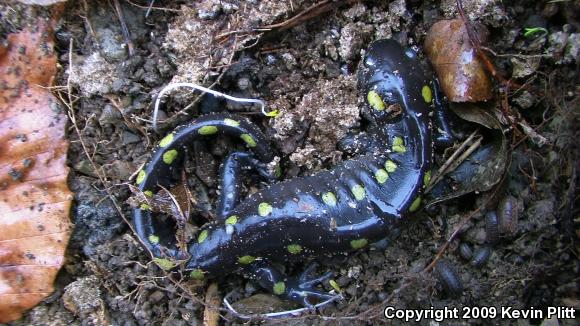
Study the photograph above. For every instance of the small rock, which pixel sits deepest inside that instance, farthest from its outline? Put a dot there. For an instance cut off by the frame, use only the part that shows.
(112, 46)
(525, 99)
(244, 83)
(110, 115)
(261, 303)
(524, 66)
(229, 8)
(250, 288)
(354, 271)
(85, 167)
(209, 10)
(289, 60)
(120, 170)
(156, 296)
(92, 75)
(83, 298)
(130, 138)
(352, 38)
(564, 47)
(356, 11)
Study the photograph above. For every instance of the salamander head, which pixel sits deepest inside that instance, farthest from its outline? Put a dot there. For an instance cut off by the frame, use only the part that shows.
(388, 75)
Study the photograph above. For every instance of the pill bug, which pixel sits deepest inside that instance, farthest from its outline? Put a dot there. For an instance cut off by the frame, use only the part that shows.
(481, 256)
(491, 227)
(465, 251)
(449, 278)
(507, 211)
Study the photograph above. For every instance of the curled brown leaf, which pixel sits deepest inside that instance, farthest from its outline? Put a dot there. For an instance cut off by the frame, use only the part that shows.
(461, 73)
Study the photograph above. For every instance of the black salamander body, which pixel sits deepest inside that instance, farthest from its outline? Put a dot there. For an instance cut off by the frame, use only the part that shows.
(356, 203)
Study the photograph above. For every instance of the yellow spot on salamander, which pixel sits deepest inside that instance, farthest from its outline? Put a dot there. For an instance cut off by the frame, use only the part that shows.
(148, 193)
(278, 171)
(153, 239)
(399, 145)
(169, 156)
(196, 274)
(231, 122)
(166, 140)
(381, 176)
(335, 286)
(329, 199)
(359, 192)
(248, 139)
(279, 288)
(202, 236)
(207, 130)
(415, 205)
(359, 243)
(144, 207)
(246, 259)
(427, 94)
(165, 264)
(375, 101)
(264, 209)
(427, 178)
(141, 176)
(390, 166)
(294, 249)
(232, 220)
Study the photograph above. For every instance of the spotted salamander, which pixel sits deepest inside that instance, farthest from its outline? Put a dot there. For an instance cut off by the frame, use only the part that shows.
(356, 203)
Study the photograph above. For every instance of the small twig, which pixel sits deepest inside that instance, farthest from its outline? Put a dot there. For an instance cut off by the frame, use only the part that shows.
(150, 7)
(212, 299)
(465, 155)
(445, 167)
(452, 237)
(124, 28)
(129, 123)
(307, 14)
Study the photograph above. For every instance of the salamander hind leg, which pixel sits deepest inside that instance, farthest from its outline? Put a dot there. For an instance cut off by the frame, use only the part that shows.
(301, 289)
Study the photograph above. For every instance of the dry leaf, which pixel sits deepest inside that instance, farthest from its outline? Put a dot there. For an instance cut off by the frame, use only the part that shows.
(461, 73)
(34, 196)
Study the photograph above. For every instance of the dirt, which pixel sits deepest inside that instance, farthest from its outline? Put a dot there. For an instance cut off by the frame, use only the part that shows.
(308, 73)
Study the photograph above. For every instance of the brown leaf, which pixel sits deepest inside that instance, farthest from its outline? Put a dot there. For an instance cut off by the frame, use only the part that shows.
(34, 196)
(462, 75)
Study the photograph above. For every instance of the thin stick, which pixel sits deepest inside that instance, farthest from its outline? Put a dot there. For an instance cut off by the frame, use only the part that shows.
(437, 177)
(124, 28)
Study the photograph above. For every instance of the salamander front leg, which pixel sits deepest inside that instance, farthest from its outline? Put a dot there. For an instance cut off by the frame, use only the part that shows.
(231, 179)
(444, 135)
(299, 289)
